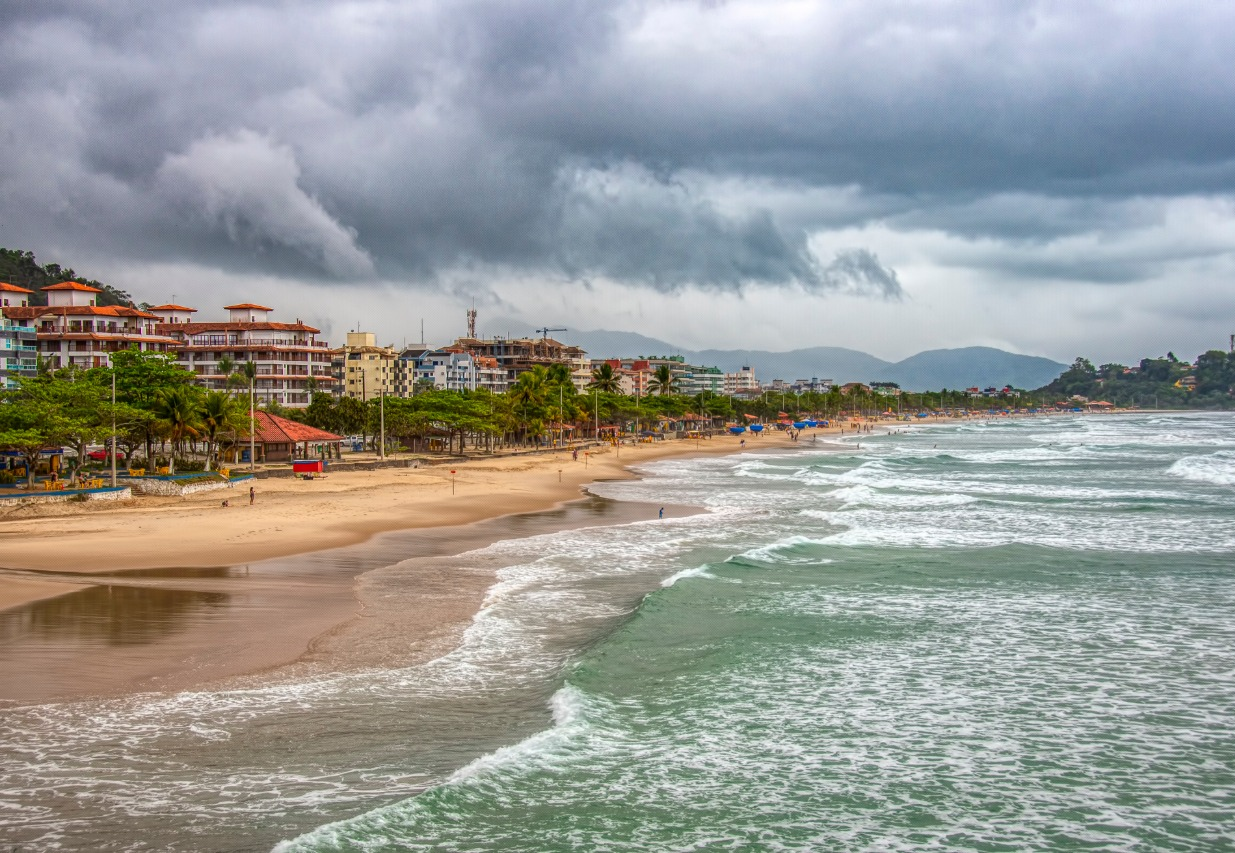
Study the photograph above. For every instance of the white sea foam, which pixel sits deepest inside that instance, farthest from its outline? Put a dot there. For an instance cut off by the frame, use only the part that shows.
(1217, 468)
(696, 572)
(776, 552)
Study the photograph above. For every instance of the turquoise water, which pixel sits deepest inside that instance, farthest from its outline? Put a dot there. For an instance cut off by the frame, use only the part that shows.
(1008, 635)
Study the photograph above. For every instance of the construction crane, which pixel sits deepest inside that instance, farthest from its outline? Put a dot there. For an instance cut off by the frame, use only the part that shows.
(544, 338)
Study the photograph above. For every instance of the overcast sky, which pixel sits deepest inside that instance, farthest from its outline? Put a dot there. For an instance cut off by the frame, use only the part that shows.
(1051, 178)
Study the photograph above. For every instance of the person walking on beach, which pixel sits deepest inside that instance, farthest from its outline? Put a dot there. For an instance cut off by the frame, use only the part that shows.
(662, 513)
(252, 495)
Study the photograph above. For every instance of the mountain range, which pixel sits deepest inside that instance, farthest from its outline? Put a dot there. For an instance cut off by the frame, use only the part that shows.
(930, 370)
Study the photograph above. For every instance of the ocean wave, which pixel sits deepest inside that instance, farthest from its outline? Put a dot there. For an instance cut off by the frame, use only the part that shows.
(1217, 468)
(696, 572)
(868, 496)
(395, 825)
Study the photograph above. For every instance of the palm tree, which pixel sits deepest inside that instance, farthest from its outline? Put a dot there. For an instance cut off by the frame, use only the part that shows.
(226, 365)
(529, 394)
(558, 374)
(604, 379)
(219, 414)
(663, 382)
(176, 412)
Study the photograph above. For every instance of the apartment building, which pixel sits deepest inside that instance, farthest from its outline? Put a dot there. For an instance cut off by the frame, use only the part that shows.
(632, 374)
(72, 330)
(451, 369)
(18, 339)
(364, 369)
(700, 380)
(291, 362)
(741, 383)
(405, 370)
(519, 355)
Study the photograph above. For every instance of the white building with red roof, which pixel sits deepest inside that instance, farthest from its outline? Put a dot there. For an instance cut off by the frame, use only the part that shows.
(18, 340)
(72, 329)
(289, 357)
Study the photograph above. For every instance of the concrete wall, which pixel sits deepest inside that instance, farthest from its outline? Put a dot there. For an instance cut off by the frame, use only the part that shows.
(172, 488)
(122, 493)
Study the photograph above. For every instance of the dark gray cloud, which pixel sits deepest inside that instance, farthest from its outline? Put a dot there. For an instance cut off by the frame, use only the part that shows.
(405, 140)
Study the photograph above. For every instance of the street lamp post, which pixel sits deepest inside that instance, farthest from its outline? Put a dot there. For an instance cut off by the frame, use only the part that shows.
(113, 424)
(252, 427)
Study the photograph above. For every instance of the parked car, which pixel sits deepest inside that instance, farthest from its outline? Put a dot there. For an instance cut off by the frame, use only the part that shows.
(101, 455)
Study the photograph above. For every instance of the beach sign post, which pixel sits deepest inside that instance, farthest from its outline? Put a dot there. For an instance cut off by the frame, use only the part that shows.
(452, 481)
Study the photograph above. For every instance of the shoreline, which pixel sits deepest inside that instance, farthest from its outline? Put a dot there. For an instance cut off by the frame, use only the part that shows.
(298, 560)
(140, 620)
(79, 544)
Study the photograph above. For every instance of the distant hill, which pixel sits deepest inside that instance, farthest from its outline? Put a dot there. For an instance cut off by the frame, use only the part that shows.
(981, 366)
(931, 370)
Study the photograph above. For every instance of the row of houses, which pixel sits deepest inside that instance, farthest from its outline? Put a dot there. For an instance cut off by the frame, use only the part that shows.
(292, 362)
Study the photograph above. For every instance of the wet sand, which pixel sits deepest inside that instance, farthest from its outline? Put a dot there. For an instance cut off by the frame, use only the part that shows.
(177, 629)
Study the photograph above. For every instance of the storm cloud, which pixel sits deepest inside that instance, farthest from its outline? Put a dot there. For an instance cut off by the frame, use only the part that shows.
(840, 151)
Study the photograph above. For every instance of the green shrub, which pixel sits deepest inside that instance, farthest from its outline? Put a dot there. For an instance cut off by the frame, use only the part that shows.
(7, 478)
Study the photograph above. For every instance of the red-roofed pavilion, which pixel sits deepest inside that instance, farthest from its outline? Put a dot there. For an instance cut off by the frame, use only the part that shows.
(281, 440)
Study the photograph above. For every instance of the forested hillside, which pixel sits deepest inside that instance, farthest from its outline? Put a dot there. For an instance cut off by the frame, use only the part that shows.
(22, 269)
(1162, 382)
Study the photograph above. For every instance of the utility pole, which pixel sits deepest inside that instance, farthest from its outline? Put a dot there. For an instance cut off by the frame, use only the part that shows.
(381, 409)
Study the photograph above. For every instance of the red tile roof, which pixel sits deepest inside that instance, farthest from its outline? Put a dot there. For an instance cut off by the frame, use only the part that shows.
(12, 288)
(29, 312)
(272, 429)
(246, 305)
(172, 308)
(72, 285)
(198, 328)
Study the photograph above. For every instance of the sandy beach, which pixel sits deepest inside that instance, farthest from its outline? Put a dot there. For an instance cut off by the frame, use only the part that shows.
(243, 589)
